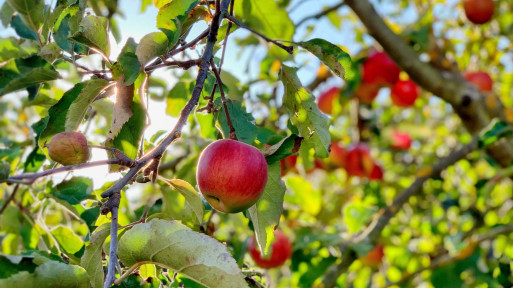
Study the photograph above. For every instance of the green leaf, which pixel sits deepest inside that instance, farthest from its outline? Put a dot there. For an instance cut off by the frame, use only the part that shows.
(31, 12)
(331, 55)
(304, 195)
(151, 46)
(175, 246)
(129, 62)
(356, 216)
(92, 258)
(93, 33)
(191, 196)
(286, 147)
(36, 158)
(242, 121)
(74, 190)
(57, 114)
(266, 213)
(49, 274)
(21, 29)
(78, 108)
(493, 132)
(313, 125)
(50, 52)
(67, 24)
(69, 242)
(23, 73)
(171, 18)
(5, 170)
(9, 49)
(268, 18)
(6, 13)
(178, 96)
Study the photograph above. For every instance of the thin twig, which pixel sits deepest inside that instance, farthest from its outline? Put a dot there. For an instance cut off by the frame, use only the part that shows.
(320, 14)
(182, 64)
(289, 49)
(113, 259)
(225, 41)
(8, 200)
(233, 136)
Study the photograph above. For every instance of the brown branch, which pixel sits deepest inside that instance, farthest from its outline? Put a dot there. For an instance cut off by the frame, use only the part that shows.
(466, 99)
(288, 49)
(373, 231)
(182, 64)
(233, 136)
(321, 14)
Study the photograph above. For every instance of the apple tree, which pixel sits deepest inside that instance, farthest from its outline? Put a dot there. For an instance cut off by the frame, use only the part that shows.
(256, 143)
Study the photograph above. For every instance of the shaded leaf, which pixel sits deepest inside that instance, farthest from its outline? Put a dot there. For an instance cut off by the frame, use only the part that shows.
(21, 29)
(6, 13)
(331, 55)
(243, 122)
(74, 190)
(286, 147)
(31, 12)
(151, 45)
(177, 247)
(266, 213)
(129, 62)
(50, 52)
(304, 114)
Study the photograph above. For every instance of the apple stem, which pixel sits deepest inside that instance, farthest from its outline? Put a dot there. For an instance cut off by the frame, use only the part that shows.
(233, 135)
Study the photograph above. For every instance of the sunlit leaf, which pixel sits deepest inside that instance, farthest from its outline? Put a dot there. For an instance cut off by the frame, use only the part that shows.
(191, 196)
(151, 46)
(93, 33)
(80, 105)
(331, 55)
(171, 18)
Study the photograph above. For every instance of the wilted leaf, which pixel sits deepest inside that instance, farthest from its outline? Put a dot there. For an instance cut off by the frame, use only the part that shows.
(266, 213)
(92, 258)
(304, 114)
(122, 108)
(331, 55)
(176, 247)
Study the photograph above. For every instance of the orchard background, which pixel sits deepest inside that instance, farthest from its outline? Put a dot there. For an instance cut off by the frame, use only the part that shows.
(385, 125)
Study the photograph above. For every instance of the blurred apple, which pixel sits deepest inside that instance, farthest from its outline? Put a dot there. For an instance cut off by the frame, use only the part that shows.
(478, 11)
(401, 140)
(326, 99)
(338, 155)
(359, 161)
(404, 93)
(374, 257)
(379, 69)
(280, 251)
(481, 80)
(366, 93)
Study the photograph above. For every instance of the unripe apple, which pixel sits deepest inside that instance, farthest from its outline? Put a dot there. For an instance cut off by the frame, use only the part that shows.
(379, 69)
(401, 140)
(481, 80)
(367, 92)
(376, 173)
(374, 257)
(359, 161)
(68, 148)
(404, 93)
(231, 175)
(338, 154)
(326, 99)
(478, 11)
(280, 251)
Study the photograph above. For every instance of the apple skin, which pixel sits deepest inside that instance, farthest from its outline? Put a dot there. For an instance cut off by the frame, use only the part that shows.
(280, 251)
(378, 68)
(326, 99)
(376, 173)
(367, 92)
(374, 257)
(479, 11)
(401, 140)
(69, 148)
(231, 175)
(359, 161)
(338, 155)
(481, 80)
(404, 93)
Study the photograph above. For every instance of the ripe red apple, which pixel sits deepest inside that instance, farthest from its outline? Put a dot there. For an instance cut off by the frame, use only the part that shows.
(338, 154)
(379, 69)
(376, 173)
(404, 93)
(281, 250)
(231, 175)
(367, 92)
(401, 140)
(359, 161)
(288, 164)
(374, 257)
(68, 148)
(478, 11)
(481, 80)
(326, 99)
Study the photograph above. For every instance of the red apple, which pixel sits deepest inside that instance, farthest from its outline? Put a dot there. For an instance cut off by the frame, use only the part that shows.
(68, 148)
(231, 175)
(367, 92)
(376, 173)
(288, 164)
(404, 93)
(481, 80)
(338, 155)
(478, 11)
(401, 140)
(359, 161)
(374, 257)
(379, 69)
(280, 251)
(326, 99)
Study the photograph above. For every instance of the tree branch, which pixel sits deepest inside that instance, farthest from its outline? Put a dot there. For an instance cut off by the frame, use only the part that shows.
(465, 98)
(373, 231)
(233, 136)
